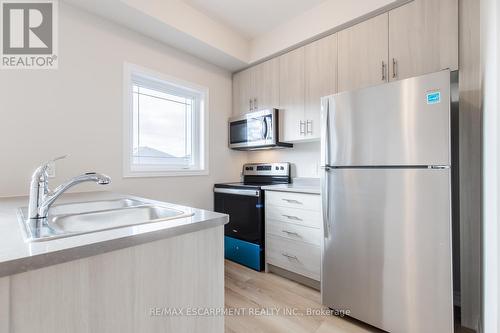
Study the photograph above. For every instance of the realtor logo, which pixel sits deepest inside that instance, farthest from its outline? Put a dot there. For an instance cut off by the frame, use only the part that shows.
(29, 34)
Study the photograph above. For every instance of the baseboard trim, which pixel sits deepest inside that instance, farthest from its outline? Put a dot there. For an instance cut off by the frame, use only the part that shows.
(294, 276)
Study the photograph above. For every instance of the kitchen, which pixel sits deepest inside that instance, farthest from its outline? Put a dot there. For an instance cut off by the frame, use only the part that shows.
(257, 96)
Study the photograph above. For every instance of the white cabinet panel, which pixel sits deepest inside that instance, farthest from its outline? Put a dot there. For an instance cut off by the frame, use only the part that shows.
(266, 83)
(294, 231)
(423, 38)
(292, 94)
(363, 54)
(298, 216)
(297, 257)
(320, 80)
(294, 200)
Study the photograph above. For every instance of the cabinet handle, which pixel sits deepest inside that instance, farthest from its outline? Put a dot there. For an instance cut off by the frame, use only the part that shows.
(289, 256)
(255, 104)
(302, 126)
(309, 127)
(394, 67)
(290, 217)
(290, 233)
(251, 105)
(292, 201)
(383, 70)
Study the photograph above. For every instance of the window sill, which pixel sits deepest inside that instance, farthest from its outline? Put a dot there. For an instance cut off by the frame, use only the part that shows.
(173, 173)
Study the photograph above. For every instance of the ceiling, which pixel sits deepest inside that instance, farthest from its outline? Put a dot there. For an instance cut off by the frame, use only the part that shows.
(252, 18)
(234, 34)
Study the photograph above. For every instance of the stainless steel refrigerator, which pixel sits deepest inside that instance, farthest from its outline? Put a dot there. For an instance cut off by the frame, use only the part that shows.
(387, 203)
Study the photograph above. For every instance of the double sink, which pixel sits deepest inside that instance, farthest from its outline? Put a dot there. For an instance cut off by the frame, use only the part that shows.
(73, 219)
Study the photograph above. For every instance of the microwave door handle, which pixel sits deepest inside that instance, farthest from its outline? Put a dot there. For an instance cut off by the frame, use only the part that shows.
(264, 128)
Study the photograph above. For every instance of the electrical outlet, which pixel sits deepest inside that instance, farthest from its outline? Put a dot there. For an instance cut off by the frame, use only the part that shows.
(51, 170)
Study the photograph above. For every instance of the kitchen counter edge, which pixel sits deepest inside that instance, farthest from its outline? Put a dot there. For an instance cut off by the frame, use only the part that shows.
(30, 256)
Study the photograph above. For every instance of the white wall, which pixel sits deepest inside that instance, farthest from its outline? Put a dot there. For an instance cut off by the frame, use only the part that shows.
(490, 58)
(327, 16)
(470, 163)
(490, 55)
(176, 23)
(305, 158)
(77, 110)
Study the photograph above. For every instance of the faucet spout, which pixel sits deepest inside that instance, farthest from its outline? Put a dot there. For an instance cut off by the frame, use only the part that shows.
(58, 191)
(41, 198)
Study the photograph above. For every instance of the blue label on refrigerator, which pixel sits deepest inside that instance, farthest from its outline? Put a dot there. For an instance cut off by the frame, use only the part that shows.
(434, 97)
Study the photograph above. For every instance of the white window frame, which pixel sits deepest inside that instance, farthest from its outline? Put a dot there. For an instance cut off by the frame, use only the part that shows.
(200, 132)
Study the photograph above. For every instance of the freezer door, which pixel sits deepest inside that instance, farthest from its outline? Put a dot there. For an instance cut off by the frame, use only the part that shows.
(387, 254)
(402, 123)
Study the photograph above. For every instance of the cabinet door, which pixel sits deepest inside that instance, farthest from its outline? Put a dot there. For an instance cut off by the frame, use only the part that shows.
(266, 84)
(292, 94)
(423, 38)
(320, 80)
(237, 82)
(363, 54)
(243, 91)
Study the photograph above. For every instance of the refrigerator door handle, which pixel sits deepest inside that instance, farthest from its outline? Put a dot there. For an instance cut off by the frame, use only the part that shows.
(325, 131)
(325, 160)
(325, 198)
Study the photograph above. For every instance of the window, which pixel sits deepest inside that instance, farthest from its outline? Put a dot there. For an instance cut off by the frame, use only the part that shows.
(165, 125)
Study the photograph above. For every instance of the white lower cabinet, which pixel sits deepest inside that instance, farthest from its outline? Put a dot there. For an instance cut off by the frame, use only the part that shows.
(294, 232)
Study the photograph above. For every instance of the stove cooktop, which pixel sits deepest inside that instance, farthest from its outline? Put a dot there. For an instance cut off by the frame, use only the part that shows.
(256, 175)
(256, 186)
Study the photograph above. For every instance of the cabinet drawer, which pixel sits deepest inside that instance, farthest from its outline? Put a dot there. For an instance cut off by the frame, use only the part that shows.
(294, 200)
(295, 232)
(294, 215)
(297, 257)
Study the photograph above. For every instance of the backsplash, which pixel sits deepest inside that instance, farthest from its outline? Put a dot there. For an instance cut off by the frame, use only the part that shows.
(304, 157)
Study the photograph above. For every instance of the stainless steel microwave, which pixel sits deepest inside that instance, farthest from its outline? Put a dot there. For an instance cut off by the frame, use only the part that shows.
(256, 130)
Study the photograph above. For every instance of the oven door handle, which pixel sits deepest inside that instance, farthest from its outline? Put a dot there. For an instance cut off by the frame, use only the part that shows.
(248, 193)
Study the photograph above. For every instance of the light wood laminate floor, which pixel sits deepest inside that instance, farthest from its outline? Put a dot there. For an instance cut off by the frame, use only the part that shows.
(248, 289)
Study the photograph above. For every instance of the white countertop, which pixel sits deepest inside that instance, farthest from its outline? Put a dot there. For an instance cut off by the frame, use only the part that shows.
(299, 185)
(17, 255)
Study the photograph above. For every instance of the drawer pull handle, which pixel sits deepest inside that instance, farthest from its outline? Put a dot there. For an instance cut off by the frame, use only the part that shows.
(292, 201)
(291, 233)
(289, 256)
(291, 217)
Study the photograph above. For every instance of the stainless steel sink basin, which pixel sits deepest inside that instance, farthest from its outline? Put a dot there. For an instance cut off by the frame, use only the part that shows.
(78, 218)
(93, 206)
(110, 219)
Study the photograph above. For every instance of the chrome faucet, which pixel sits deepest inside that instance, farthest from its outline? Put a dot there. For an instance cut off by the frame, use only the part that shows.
(41, 197)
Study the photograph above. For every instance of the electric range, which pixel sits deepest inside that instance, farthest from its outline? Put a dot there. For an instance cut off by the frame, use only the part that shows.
(244, 203)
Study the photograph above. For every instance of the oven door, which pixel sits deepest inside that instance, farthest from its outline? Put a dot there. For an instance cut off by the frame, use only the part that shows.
(253, 129)
(245, 208)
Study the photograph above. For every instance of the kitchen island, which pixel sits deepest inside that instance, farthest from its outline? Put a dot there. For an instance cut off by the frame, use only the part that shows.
(155, 277)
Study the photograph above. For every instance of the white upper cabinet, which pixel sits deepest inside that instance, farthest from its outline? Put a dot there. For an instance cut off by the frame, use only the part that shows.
(320, 80)
(414, 39)
(363, 54)
(291, 88)
(243, 92)
(256, 88)
(306, 75)
(266, 82)
(423, 38)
